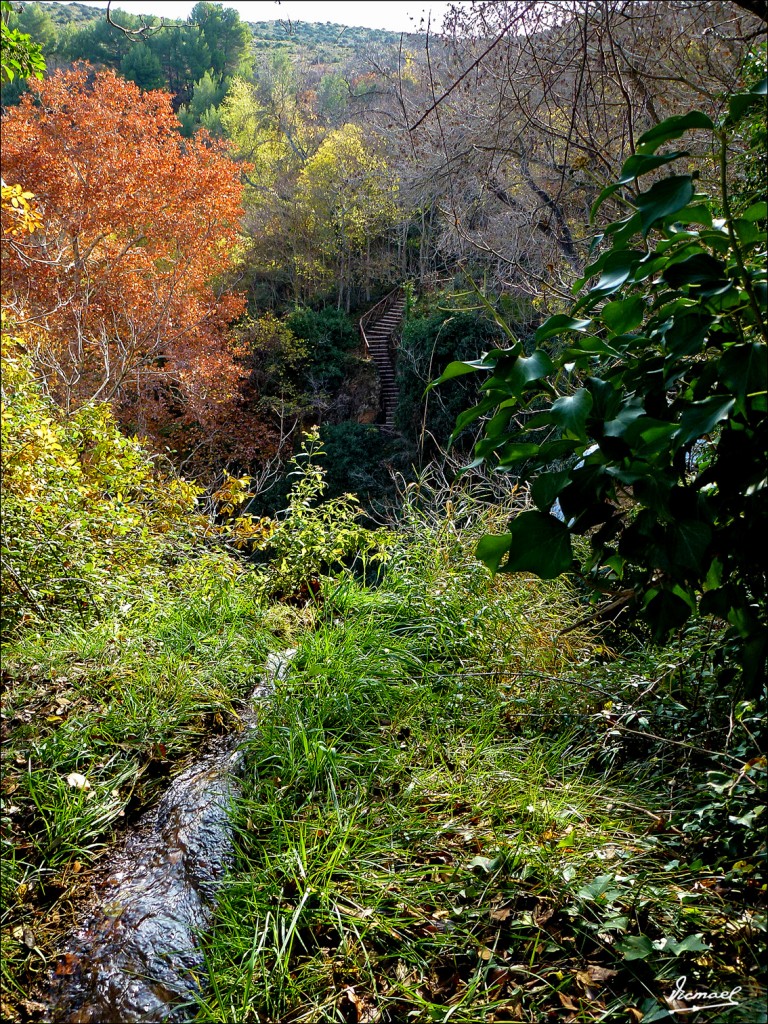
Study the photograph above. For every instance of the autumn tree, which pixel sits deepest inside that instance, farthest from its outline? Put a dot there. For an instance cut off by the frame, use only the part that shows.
(137, 226)
(345, 201)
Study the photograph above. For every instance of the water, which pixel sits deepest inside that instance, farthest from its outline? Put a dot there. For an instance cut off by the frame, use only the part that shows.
(137, 956)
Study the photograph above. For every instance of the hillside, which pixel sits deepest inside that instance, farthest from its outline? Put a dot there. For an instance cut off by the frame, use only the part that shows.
(322, 42)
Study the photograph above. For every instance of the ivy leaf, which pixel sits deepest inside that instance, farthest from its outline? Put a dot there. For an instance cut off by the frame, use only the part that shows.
(559, 323)
(491, 549)
(570, 412)
(635, 947)
(701, 417)
(665, 610)
(546, 487)
(757, 211)
(739, 104)
(635, 167)
(743, 369)
(672, 128)
(623, 315)
(458, 369)
(690, 541)
(540, 544)
(663, 199)
(528, 368)
(701, 268)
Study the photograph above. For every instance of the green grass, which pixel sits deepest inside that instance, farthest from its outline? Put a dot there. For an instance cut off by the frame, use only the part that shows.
(442, 818)
(123, 702)
(427, 834)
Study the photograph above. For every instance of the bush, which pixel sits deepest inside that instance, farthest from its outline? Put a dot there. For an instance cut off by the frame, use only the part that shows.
(656, 406)
(86, 510)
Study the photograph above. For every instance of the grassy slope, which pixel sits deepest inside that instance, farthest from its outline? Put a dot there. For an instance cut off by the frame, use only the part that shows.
(435, 825)
(426, 836)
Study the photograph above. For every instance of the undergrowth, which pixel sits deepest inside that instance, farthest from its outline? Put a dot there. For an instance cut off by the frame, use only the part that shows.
(434, 827)
(454, 809)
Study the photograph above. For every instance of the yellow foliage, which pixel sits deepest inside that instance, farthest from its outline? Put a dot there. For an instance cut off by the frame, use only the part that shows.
(84, 506)
(26, 218)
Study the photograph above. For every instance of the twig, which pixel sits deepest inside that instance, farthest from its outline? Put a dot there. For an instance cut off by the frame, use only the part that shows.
(462, 76)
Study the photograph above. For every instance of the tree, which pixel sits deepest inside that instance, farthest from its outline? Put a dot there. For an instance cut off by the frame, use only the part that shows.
(655, 404)
(530, 107)
(138, 223)
(22, 56)
(228, 39)
(142, 66)
(345, 200)
(37, 23)
(184, 56)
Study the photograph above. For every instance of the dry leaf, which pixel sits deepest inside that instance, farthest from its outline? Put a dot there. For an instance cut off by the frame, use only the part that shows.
(78, 781)
(501, 914)
(597, 973)
(567, 1002)
(542, 914)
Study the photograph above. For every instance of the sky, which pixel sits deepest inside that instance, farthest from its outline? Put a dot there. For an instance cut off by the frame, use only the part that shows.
(395, 15)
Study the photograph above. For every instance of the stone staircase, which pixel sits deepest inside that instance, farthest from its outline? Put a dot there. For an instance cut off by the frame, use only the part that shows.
(380, 329)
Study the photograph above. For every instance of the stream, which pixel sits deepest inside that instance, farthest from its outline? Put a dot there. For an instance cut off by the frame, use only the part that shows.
(136, 957)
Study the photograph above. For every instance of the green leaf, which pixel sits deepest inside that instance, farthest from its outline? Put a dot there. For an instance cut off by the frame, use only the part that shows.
(743, 369)
(666, 197)
(491, 549)
(699, 269)
(623, 314)
(458, 369)
(739, 104)
(540, 544)
(570, 412)
(690, 944)
(631, 411)
(690, 541)
(635, 167)
(757, 211)
(474, 413)
(616, 271)
(665, 610)
(559, 323)
(672, 128)
(701, 417)
(546, 487)
(526, 369)
(635, 947)
(498, 425)
(517, 451)
(747, 231)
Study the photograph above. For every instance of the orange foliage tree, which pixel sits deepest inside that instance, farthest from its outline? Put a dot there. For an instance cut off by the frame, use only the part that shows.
(138, 226)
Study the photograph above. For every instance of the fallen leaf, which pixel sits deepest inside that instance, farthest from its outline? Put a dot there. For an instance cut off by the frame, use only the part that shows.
(542, 914)
(78, 781)
(567, 1002)
(601, 973)
(501, 914)
(67, 964)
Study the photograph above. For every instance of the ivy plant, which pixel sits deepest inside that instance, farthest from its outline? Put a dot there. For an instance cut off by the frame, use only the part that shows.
(646, 404)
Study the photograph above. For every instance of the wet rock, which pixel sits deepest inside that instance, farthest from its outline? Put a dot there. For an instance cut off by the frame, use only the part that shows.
(136, 958)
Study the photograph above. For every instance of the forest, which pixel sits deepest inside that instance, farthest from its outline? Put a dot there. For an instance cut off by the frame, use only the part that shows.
(384, 429)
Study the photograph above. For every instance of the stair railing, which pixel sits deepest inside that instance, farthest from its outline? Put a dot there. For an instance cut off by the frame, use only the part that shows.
(376, 312)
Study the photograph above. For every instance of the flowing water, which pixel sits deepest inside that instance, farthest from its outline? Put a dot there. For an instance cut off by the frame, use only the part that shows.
(137, 955)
